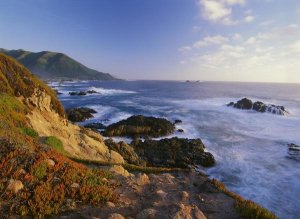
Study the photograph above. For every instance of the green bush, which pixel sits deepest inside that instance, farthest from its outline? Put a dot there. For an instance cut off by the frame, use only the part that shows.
(30, 132)
(40, 171)
(55, 143)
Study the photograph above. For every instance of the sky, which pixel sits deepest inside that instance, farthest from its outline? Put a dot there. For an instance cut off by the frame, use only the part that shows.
(214, 40)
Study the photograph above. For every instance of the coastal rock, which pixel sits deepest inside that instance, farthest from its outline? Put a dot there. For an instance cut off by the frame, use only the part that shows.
(82, 93)
(141, 126)
(180, 130)
(95, 126)
(258, 106)
(177, 121)
(15, 185)
(173, 152)
(126, 151)
(294, 152)
(80, 114)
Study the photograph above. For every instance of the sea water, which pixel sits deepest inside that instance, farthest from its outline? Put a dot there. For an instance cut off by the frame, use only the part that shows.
(250, 147)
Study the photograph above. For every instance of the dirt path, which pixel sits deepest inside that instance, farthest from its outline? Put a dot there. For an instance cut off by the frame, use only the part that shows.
(164, 196)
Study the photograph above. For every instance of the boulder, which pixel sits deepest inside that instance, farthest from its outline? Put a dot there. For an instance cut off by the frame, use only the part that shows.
(15, 185)
(79, 114)
(180, 130)
(141, 126)
(173, 152)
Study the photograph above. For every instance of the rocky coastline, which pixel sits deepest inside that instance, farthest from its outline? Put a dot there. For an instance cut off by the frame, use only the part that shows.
(54, 168)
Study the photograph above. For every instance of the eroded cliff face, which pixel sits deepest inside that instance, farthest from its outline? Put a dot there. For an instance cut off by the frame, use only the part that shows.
(78, 142)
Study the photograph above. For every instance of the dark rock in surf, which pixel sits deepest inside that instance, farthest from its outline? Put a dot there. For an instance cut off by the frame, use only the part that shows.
(141, 126)
(177, 121)
(294, 152)
(180, 130)
(82, 93)
(258, 106)
(80, 114)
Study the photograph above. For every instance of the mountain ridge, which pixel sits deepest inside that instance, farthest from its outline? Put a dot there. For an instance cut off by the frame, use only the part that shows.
(50, 65)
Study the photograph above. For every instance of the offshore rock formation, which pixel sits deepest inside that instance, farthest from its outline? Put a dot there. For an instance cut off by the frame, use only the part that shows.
(141, 126)
(258, 106)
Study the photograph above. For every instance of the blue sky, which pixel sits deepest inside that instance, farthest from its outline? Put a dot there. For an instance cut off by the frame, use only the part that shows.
(225, 40)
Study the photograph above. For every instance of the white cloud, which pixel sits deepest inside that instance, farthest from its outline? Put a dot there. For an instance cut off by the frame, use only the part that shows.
(219, 11)
(210, 40)
(184, 49)
(265, 56)
(249, 19)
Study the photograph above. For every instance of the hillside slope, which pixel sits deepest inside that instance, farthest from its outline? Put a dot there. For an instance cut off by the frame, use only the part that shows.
(55, 66)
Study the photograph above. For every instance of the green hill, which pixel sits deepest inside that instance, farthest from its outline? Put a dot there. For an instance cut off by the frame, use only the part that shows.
(55, 66)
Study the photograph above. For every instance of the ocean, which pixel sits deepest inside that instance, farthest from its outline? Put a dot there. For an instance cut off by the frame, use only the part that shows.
(250, 147)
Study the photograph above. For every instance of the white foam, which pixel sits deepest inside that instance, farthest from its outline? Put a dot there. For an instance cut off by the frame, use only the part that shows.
(104, 91)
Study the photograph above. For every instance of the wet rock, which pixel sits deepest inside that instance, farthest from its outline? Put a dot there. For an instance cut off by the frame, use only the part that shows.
(173, 152)
(116, 216)
(243, 104)
(177, 121)
(180, 130)
(95, 125)
(294, 152)
(82, 93)
(148, 213)
(15, 185)
(79, 93)
(258, 106)
(141, 126)
(80, 114)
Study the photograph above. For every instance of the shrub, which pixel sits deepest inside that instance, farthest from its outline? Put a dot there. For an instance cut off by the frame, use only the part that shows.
(30, 132)
(55, 143)
(40, 171)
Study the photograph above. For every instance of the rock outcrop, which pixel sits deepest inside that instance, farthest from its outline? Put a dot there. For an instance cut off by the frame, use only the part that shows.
(80, 114)
(247, 104)
(141, 126)
(173, 152)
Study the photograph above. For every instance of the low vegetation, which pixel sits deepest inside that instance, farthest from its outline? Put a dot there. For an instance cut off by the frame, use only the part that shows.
(55, 143)
(247, 209)
(48, 185)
